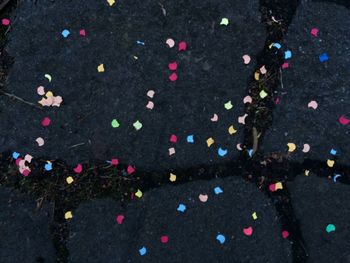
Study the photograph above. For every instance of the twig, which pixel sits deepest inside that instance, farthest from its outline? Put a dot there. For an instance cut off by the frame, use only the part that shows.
(76, 145)
(281, 79)
(255, 140)
(12, 96)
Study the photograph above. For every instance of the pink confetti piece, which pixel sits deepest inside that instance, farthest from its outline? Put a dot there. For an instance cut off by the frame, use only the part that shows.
(22, 163)
(28, 158)
(171, 151)
(285, 234)
(82, 32)
(247, 99)
(120, 219)
(312, 104)
(114, 161)
(277, 101)
(78, 169)
(40, 141)
(263, 70)
(285, 65)
(272, 187)
(246, 59)
(5, 21)
(182, 46)
(40, 90)
(248, 231)
(314, 32)
(172, 66)
(215, 118)
(150, 105)
(203, 198)
(239, 147)
(46, 122)
(150, 93)
(18, 160)
(170, 42)
(130, 169)
(306, 148)
(173, 77)
(25, 172)
(164, 239)
(173, 138)
(344, 120)
(241, 119)
(57, 101)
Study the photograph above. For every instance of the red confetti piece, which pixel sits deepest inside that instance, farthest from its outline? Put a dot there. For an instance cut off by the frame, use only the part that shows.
(285, 234)
(164, 239)
(26, 172)
(182, 46)
(130, 169)
(5, 21)
(173, 77)
(82, 32)
(18, 160)
(285, 65)
(344, 120)
(248, 231)
(172, 66)
(114, 162)
(78, 169)
(173, 138)
(46, 122)
(314, 32)
(272, 187)
(120, 219)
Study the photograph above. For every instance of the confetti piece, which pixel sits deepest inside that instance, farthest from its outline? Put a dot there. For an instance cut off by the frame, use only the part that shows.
(114, 162)
(307, 172)
(182, 46)
(333, 152)
(120, 219)
(287, 54)
(256, 75)
(170, 42)
(172, 66)
(231, 130)
(173, 77)
(115, 123)
(48, 166)
(150, 105)
(46, 122)
(40, 141)
(5, 22)
(78, 169)
(285, 65)
(101, 68)
(140, 42)
(15, 155)
(210, 141)
(190, 138)
(214, 118)
(49, 78)
(278, 185)
(263, 70)
(164, 239)
(49, 94)
(57, 100)
(263, 94)
(181, 208)
(130, 169)
(228, 105)
(248, 231)
(111, 2)
(172, 177)
(222, 152)
(171, 151)
(203, 198)
(330, 163)
(246, 59)
(285, 234)
(291, 147)
(312, 104)
(65, 33)
(137, 125)
(173, 138)
(40, 90)
(220, 238)
(330, 228)
(306, 148)
(314, 32)
(82, 32)
(323, 57)
(344, 120)
(250, 152)
(218, 190)
(247, 99)
(255, 217)
(143, 251)
(68, 215)
(150, 93)
(336, 177)
(224, 21)
(241, 119)
(138, 193)
(28, 158)
(69, 180)
(276, 45)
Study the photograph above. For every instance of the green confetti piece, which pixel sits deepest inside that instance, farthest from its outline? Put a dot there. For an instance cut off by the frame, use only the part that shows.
(115, 123)
(137, 125)
(330, 228)
(224, 21)
(263, 94)
(228, 105)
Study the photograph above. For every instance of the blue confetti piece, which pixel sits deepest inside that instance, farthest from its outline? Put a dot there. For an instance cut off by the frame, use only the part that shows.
(65, 33)
(48, 166)
(140, 42)
(222, 152)
(336, 177)
(221, 238)
(287, 54)
(190, 139)
(218, 190)
(143, 251)
(15, 155)
(324, 57)
(181, 208)
(333, 152)
(277, 45)
(250, 152)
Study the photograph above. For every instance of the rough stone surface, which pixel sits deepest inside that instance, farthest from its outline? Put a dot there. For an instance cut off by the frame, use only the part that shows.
(308, 79)
(25, 234)
(96, 236)
(210, 73)
(318, 202)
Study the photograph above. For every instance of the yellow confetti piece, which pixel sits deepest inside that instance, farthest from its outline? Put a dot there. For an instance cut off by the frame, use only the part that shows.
(172, 177)
(307, 172)
(210, 141)
(69, 180)
(256, 75)
(224, 21)
(231, 130)
(101, 68)
(48, 76)
(270, 46)
(68, 215)
(255, 217)
(263, 94)
(136, 57)
(291, 147)
(278, 186)
(138, 193)
(228, 105)
(49, 94)
(111, 2)
(330, 163)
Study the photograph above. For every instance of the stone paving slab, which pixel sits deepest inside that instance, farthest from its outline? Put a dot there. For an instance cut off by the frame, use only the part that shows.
(97, 237)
